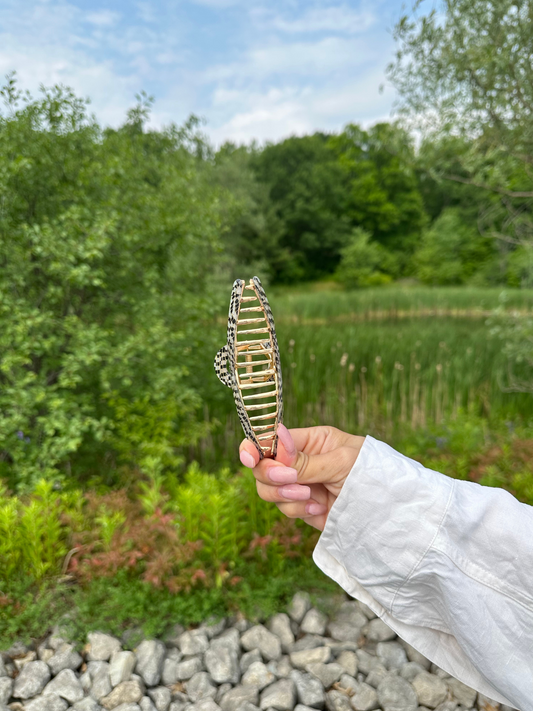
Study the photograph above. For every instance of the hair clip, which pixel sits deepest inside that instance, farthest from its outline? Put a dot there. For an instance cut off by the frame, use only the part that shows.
(251, 366)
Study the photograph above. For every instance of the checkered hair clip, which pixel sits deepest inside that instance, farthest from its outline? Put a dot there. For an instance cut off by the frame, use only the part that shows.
(251, 366)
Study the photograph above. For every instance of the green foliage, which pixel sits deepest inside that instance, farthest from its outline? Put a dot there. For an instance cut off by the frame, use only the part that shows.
(465, 83)
(383, 194)
(106, 242)
(33, 533)
(450, 252)
(365, 263)
(307, 189)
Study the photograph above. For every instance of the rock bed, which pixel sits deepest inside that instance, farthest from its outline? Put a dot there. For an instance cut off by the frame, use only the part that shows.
(296, 662)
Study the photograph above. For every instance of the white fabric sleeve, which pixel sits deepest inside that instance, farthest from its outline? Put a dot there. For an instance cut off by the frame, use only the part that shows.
(447, 564)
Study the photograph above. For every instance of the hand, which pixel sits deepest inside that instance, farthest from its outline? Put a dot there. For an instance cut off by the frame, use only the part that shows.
(307, 475)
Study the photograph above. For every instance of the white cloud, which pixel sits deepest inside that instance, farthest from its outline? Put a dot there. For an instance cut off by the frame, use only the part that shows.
(103, 18)
(275, 114)
(340, 19)
(314, 58)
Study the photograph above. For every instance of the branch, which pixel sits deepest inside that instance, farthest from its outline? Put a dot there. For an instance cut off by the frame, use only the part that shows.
(491, 188)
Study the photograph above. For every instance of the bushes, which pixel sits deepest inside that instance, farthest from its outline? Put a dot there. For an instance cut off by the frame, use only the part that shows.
(208, 533)
(106, 242)
(159, 552)
(365, 263)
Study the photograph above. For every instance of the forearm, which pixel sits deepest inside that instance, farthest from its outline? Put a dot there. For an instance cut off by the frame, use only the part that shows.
(447, 564)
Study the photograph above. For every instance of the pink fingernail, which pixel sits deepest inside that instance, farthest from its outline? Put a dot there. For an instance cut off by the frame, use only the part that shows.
(247, 459)
(286, 440)
(295, 492)
(315, 509)
(282, 475)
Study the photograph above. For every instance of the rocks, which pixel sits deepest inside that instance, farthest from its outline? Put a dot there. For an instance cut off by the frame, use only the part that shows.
(300, 604)
(249, 658)
(348, 661)
(101, 646)
(430, 689)
(121, 667)
(150, 656)
(336, 701)
(127, 692)
(461, 693)
(258, 675)
(238, 696)
(191, 643)
(309, 689)
(229, 639)
(280, 696)
(377, 631)
(310, 656)
(391, 654)
(328, 674)
(188, 668)
(223, 665)
(31, 680)
(50, 702)
(413, 655)
(160, 697)
(67, 685)
(258, 637)
(396, 694)
(286, 664)
(365, 698)
(280, 625)
(6, 688)
(200, 686)
(314, 622)
(87, 704)
(100, 682)
(65, 657)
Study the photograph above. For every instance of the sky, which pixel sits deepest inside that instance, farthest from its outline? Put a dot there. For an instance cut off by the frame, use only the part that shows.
(252, 69)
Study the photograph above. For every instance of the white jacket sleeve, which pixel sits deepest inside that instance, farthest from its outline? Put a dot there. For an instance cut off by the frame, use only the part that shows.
(447, 564)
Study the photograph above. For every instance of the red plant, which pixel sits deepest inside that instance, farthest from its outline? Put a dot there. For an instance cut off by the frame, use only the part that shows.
(147, 546)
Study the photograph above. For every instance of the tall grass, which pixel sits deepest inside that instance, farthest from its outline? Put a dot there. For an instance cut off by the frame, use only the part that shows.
(369, 362)
(395, 302)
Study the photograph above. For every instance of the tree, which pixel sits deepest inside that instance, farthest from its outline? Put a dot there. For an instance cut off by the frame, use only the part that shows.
(365, 263)
(308, 191)
(464, 71)
(106, 242)
(451, 251)
(383, 193)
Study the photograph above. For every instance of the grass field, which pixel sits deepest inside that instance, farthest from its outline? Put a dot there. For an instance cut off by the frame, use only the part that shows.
(388, 362)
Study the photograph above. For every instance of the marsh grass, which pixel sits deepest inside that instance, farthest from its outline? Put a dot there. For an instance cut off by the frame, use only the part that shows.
(374, 362)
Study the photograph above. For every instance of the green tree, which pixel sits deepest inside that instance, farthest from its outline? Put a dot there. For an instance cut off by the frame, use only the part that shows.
(106, 242)
(383, 189)
(464, 74)
(451, 251)
(308, 191)
(365, 263)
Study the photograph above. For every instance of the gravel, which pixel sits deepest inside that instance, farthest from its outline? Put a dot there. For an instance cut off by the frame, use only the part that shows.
(295, 661)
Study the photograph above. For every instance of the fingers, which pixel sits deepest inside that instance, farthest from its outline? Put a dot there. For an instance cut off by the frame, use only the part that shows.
(329, 468)
(286, 453)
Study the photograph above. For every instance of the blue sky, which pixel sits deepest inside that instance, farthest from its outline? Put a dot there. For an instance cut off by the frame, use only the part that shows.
(254, 69)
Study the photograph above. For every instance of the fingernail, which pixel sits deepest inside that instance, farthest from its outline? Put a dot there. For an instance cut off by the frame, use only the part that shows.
(282, 475)
(315, 509)
(247, 459)
(286, 440)
(295, 492)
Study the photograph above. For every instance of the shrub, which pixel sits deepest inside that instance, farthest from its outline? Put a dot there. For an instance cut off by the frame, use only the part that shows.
(365, 263)
(106, 240)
